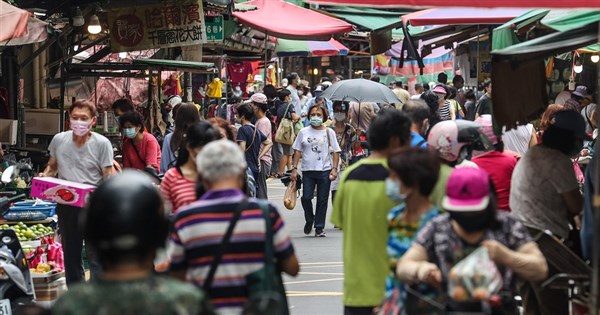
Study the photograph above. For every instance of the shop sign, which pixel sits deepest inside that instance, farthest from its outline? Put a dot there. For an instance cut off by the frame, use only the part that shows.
(168, 24)
(214, 28)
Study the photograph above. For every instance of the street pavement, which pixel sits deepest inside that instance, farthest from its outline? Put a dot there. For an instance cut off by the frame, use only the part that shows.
(317, 290)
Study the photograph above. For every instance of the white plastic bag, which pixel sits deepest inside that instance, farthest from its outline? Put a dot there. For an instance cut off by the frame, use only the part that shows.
(475, 278)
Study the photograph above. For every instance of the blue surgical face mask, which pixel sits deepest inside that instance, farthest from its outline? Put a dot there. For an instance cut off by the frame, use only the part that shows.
(130, 132)
(392, 190)
(316, 121)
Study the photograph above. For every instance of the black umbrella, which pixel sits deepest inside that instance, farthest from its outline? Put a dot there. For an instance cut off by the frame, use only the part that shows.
(361, 90)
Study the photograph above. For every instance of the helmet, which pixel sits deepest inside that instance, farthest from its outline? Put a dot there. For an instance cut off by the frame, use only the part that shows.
(487, 127)
(125, 217)
(449, 138)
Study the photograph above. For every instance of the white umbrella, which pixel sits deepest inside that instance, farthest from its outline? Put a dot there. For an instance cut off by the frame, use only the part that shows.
(361, 90)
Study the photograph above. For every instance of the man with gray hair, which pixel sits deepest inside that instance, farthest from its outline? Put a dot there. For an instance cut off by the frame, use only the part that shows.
(418, 112)
(199, 228)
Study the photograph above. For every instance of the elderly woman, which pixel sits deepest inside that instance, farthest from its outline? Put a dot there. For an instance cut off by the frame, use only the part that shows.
(472, 220)
(200, 227)
(320, 153)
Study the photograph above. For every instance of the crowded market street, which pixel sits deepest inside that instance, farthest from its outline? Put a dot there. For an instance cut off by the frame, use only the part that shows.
(299, 157)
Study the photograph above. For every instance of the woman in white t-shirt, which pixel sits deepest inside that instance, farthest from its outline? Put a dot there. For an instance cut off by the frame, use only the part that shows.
(320, 153)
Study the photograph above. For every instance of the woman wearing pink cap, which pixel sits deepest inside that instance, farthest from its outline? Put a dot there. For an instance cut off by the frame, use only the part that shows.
(446, 110)
(472, 221)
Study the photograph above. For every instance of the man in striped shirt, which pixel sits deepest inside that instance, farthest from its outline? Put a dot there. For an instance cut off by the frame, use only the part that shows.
(198, 231)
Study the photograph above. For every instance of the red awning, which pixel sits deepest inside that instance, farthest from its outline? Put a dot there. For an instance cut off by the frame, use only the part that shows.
(285, 20)
(536, 4)
(461, 16)
(13, 21)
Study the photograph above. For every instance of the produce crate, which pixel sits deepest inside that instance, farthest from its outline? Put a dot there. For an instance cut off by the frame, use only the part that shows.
(48, 289)
(21, 213)
(48, 278)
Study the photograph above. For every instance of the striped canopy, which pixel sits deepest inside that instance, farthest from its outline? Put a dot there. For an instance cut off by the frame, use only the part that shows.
(308, 48)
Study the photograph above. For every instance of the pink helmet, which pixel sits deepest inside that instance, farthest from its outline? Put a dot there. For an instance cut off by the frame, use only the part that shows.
(487, 127)
(449, 137)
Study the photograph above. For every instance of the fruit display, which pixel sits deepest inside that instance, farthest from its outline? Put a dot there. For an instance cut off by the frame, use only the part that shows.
(46, 258)
(475, 278)
(28, 233)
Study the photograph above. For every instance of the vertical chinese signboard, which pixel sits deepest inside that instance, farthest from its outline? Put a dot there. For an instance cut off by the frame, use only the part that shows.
(168, 24)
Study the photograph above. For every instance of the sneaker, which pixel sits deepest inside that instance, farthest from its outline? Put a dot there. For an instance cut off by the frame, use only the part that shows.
(308, 228)
(320, 233)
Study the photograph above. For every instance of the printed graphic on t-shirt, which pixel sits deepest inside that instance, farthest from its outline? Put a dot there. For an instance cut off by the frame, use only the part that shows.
(318, 146)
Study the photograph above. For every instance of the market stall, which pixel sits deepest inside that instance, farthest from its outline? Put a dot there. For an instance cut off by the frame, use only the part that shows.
(34, 223)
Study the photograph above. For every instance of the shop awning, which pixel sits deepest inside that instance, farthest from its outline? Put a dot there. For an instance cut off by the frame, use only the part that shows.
(285, 20)
(564, 20)
(368, 19)
(307, 48)
(461, 16)
(504, 35)
(13, 21)
(37, 32)
(465, 3)
(558, 20)
(522, 66)
(549, 45)
(180, 65)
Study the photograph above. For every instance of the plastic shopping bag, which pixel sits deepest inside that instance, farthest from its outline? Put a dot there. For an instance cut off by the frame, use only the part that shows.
(290, 196)
(475, 278)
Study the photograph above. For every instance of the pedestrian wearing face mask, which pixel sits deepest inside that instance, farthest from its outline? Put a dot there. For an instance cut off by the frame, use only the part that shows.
(346, 138)
(545, 195)
(413, 174)
(418, 112)
(140, 148)
(320, 153)
(472, 221)
(80, 156)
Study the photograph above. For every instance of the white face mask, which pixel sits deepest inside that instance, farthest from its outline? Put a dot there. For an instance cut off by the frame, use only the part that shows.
(339, 116)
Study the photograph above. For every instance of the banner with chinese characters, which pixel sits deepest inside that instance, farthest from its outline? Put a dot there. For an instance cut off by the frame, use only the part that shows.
(168, 24)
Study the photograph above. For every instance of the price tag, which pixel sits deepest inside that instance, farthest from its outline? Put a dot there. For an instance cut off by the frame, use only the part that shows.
(5, 307)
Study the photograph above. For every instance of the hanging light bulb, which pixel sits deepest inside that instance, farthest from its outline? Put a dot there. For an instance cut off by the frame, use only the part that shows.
(595, 58)
(578, 68)
(78, 19)
(315, 71)
(94, 26)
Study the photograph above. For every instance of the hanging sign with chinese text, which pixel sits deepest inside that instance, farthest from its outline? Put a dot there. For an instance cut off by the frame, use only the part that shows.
(169, 24)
